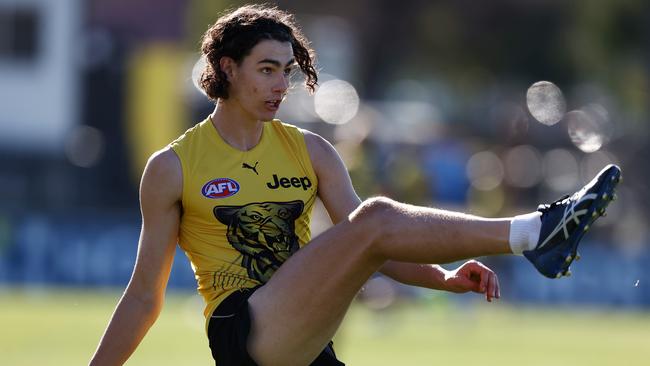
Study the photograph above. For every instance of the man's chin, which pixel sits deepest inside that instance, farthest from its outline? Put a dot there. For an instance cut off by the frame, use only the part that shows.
(267, 117)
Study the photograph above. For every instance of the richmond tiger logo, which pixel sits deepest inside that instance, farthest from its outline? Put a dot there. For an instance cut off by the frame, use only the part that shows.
(264, 233)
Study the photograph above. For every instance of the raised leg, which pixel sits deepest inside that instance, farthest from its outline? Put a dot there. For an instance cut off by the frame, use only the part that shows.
(298, 311)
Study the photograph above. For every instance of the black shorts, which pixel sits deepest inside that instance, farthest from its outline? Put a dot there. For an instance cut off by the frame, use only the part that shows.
(228, 330)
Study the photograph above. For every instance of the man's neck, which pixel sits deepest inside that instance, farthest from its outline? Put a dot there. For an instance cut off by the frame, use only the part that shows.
(236, 128)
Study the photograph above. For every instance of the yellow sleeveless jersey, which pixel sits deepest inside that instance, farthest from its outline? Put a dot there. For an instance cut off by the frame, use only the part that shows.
(243, 212)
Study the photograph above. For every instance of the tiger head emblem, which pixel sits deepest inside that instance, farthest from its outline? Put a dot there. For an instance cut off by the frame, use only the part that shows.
(264, 233)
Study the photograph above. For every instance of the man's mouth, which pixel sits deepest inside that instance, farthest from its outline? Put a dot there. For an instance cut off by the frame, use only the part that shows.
(273, 104)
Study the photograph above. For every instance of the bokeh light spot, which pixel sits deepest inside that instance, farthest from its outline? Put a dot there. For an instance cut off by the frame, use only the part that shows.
(561, 170)
(378, 293)
(84, 146)
(584, 131)
(545, 102)
(197, 70)
(485, 171)
(522, 166)
(336, 101)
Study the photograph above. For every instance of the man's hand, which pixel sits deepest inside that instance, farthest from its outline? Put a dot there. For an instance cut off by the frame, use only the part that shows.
(473, 276)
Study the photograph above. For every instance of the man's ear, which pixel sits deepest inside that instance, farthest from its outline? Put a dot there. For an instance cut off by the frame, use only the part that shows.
(227, 66)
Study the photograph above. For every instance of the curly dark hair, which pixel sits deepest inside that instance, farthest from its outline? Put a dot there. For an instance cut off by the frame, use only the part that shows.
(236, 32)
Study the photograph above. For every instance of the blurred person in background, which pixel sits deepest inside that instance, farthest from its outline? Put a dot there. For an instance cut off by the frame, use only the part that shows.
(236, 192)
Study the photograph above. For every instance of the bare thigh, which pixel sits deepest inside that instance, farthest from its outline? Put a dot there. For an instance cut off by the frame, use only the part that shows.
(298, 311)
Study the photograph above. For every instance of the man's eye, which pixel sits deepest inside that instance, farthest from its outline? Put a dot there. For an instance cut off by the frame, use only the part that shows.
(266, 70)
(255, 217)
(288, 72)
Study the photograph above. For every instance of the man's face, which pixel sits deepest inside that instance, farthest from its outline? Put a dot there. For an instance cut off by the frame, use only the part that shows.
(260, 82)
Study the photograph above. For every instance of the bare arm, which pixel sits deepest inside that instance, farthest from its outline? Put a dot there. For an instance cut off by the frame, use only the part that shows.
(140, 305)
(339, 198)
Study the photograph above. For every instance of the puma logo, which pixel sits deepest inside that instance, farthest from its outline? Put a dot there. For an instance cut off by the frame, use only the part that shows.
(253, 168)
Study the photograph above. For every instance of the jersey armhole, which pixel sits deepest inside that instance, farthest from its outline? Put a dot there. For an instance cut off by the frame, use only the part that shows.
(305, 152)
(173, 147)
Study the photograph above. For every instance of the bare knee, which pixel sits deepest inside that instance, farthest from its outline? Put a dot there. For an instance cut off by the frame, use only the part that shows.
(377, 214)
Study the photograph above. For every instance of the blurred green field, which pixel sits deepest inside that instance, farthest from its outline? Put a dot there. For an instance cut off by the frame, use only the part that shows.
(63, 327)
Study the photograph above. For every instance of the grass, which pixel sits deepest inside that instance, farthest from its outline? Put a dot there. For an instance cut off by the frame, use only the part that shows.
(62, 327)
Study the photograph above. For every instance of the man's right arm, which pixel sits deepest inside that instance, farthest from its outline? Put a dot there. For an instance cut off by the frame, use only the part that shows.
(140, 305)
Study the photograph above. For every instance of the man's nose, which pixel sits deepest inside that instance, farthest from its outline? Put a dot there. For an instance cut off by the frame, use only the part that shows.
(282, 84)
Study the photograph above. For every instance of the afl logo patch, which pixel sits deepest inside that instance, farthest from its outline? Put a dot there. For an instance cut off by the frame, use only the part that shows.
(220, 188)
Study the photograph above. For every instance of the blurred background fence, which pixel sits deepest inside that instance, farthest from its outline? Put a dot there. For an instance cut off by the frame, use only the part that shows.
(425, 101)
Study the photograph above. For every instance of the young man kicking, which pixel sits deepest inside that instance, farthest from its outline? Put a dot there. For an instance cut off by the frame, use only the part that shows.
(236, 193)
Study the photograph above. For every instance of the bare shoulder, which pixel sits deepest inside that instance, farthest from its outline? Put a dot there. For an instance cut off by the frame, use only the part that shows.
(164, 162)
(314, 139)
(324, 158)
(163, 176)
(320, 150)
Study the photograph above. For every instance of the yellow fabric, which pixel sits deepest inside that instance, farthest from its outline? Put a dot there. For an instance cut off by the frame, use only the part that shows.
(244, 212)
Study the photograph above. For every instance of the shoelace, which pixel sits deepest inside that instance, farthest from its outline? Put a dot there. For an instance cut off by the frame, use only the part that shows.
(544, 208)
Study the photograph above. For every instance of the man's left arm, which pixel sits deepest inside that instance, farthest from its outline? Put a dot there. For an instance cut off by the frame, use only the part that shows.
(339, 198)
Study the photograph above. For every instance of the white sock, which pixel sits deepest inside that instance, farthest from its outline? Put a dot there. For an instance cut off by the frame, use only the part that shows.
(524, 232)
